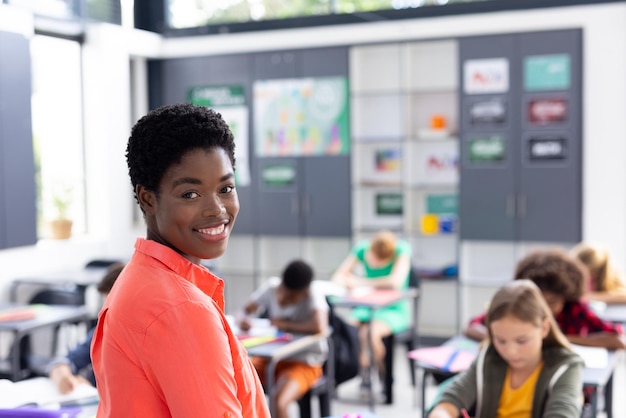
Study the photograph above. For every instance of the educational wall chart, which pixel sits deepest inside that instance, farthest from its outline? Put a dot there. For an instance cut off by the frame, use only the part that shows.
(230, 102)
(303, 116)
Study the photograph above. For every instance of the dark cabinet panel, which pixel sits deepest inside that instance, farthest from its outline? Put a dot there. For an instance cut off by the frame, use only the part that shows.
(18, 214)
(532, 190)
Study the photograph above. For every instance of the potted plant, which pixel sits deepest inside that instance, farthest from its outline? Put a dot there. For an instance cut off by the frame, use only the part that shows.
(61, 226)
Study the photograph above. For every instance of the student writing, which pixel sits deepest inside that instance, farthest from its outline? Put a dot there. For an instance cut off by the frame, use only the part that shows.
(561, 280)
(605, 281)
(386, 262)
(526, 368)
(292, 305)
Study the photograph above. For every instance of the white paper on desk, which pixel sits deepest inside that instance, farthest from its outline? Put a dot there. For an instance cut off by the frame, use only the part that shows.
(594, 357)
(40, 391)
(361, 291)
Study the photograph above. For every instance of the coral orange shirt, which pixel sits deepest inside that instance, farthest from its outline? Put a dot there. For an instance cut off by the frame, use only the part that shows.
(163, 348)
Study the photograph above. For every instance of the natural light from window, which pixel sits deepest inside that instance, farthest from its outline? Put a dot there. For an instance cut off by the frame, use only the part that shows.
(58, 131)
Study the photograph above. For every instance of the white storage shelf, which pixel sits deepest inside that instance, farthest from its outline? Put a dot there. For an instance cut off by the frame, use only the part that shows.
(405, 153)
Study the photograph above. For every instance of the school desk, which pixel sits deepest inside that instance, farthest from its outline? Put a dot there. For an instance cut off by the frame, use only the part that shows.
(457, 353)
(614, 312)
(44, 316)
(372, 299)
(280, 350)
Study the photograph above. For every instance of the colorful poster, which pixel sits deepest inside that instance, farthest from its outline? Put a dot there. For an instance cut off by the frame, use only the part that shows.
(436, 163)
(547, 72)
(305, 116)
(388, 160)
(230, 102)
(486, 76)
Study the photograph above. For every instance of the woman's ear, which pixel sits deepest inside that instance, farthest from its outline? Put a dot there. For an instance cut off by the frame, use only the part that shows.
(147, 199)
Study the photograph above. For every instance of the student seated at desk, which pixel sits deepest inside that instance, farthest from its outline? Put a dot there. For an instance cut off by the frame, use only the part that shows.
(386, 262)
(606, 283)
(64, 371)
(526, 368)
(292, 306)
(561, 280)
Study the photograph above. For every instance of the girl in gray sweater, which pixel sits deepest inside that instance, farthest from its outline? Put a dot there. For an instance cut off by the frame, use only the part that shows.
(525, 369)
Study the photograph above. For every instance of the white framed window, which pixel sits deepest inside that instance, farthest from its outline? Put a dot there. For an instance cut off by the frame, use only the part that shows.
(57, 120)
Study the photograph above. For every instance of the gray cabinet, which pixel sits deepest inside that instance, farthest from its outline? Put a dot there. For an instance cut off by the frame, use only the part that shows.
(521, 137)
(302, 195)
(18, 214)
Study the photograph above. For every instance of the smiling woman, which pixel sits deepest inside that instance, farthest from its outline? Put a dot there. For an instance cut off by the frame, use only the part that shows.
(164, 321)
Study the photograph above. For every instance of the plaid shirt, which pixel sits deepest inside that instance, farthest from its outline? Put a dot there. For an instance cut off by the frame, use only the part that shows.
(576, 318)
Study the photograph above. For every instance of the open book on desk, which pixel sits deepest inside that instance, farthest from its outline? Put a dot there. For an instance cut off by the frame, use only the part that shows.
(42, 392)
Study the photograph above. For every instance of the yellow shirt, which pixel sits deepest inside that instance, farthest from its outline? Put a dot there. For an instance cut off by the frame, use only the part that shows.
(518, 403)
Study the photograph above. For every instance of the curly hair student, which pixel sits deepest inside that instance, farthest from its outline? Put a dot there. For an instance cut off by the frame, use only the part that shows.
(562, 280)
(163, 346)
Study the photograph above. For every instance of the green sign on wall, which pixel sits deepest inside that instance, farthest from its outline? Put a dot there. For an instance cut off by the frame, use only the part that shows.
(442, 203)
(490, 148)
(547, 72)
(389, 204)
(217, 96)
(279, 175)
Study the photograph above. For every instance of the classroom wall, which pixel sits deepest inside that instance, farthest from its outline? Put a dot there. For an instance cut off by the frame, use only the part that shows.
(109, 113)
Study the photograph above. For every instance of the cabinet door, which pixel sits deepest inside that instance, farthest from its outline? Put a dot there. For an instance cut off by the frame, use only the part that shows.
(488, 146)
(279, 204)
(550, 153)
(18, 215)
(326, 198)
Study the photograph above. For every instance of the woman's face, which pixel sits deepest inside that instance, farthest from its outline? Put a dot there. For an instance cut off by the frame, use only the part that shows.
(518, 342)
(197, 205)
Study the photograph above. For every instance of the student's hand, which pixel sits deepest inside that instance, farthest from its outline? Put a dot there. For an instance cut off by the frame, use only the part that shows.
(444, 410)
(245, 324)
(281, 324)
(63, 378)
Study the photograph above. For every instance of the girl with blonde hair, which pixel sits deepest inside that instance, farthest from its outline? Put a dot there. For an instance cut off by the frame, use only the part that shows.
(606, 283)
(525, 368)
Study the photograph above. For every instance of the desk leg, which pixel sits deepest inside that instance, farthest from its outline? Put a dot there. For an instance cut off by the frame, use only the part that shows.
(15, 357)
(594, 402)
(371, 365)
(608, 397)
(270, 372)
(423, 390)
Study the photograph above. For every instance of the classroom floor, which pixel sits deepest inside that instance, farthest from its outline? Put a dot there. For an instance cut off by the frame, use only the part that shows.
(405, 396)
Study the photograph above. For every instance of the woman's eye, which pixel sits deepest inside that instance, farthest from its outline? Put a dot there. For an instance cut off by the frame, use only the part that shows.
(190, 195)
(227, 189)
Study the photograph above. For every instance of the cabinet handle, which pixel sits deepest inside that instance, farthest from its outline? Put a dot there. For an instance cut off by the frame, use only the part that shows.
(306, 205)
(295, 205)
(521, 205)
(510, 206)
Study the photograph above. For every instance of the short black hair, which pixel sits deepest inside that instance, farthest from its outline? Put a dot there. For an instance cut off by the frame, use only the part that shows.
(163, 136)
(297, 275)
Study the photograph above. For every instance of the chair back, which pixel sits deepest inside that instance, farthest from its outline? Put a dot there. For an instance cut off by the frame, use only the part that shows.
(59, 296)
(101, 263)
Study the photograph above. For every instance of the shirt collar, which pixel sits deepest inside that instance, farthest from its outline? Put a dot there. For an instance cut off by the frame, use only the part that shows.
(199, 275)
